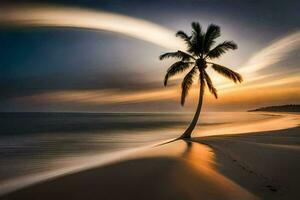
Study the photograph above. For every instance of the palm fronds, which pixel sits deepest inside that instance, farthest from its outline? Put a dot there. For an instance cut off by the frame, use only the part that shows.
(183, 35)
(228, 73)
(187, 40)
(177, 54)
(187, 83)
(197, 39)
(201, 48)
(213, 32)
(220, 49)
(210, 85)
(196, 28)
(176, 68)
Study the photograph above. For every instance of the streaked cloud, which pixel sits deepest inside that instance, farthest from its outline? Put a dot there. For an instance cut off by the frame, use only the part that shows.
(273, 53)
(100, 97)
(59, 16)
(272, 86)
(257, 86)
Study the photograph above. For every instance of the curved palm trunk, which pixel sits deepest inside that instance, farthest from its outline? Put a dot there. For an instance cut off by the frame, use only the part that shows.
(187, 133)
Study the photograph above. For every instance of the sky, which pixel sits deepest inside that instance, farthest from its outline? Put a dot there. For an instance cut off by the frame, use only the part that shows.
(102, 56)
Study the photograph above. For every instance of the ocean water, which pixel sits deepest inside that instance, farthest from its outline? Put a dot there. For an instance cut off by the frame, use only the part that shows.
(33, 143)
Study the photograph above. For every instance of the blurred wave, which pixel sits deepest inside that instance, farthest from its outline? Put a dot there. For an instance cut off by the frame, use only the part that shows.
(34, 143)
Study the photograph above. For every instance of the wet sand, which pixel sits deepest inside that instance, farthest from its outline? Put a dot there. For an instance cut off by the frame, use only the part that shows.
(266, 163)
(262, 165)
(178, 170)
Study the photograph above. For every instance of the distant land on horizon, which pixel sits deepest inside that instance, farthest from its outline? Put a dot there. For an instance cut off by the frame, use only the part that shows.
(281, 108)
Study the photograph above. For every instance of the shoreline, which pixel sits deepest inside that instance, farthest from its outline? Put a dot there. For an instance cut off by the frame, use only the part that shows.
(177, 170)
(277, 121)
(208, 166)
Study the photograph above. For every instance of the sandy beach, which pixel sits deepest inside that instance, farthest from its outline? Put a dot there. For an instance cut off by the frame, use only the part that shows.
(265, 163)
(258, 165)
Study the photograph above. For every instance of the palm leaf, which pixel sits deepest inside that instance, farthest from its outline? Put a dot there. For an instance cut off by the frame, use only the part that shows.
(228, 73)
(212, 32)
(183, 35)
(221, 49)
(178, 54)
(210, 85)
(197, 39)
(176, 68)
(186, 38)
(196, 28)
(187, 83)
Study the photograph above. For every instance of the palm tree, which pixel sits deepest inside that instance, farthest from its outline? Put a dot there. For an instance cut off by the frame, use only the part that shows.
(201, 49)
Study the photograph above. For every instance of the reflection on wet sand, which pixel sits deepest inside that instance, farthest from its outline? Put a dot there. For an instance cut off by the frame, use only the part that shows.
(201, 160)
